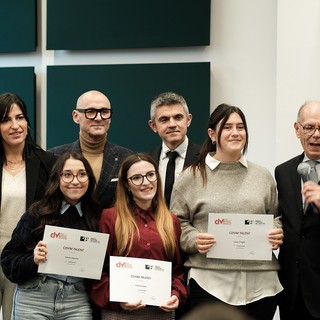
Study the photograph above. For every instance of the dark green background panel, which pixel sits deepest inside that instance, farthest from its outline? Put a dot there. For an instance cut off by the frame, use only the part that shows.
(130, 89)
(109, 24)
(21, 81)
(18, 25)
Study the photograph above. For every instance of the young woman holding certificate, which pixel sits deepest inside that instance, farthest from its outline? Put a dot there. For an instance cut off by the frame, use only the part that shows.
(140, 226)
(223, 181)
(68, 202)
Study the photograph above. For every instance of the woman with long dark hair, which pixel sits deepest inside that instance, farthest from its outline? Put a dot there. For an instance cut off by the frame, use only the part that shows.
(24, 171)
(223, 181)
(68, 202)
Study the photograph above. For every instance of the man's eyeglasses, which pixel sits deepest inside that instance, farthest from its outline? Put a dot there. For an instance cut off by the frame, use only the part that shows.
(68, 177)
(91, 114)
(309, 129)
(137, 179)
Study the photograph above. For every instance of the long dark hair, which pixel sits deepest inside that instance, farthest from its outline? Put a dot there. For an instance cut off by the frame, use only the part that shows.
(47, 208)
(7, 100)
(221, 113)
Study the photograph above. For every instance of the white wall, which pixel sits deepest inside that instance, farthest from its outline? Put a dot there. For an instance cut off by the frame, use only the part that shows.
(298, 68)
(244, 68)
(264, 57)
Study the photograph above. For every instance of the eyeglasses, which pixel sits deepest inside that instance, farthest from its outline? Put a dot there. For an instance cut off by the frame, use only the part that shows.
(309, 129)
(137, 179)
(68, 177)
(91, 114)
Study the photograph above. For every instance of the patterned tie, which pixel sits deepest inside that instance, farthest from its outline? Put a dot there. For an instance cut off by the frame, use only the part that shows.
(171, 166)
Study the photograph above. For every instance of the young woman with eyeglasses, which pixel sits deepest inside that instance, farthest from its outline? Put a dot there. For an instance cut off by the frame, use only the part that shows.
(68, 202)
(140, 226)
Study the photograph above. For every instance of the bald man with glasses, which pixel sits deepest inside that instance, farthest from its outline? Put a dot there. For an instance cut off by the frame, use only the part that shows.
(299, 201)
(93, 115)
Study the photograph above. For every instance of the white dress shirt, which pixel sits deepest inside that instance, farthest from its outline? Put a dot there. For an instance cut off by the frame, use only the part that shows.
(163, 160)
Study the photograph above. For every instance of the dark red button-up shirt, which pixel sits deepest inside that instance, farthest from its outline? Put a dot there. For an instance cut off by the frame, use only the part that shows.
(148, 246)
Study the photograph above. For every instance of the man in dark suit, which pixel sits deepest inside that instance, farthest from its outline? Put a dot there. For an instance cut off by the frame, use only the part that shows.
(299, 255)
(93, 114)
(170, 119)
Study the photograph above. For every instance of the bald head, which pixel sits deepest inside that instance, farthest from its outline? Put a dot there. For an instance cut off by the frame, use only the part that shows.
(313, 104)
(92, 128)
(90, 96)
(307, 128)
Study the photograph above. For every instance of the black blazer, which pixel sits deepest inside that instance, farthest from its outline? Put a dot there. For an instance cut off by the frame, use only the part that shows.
(38, 166)
(112, 159)
(299, 256)
(191, 156)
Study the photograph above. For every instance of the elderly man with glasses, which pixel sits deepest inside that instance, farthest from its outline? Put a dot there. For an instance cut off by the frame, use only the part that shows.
(93, 115)
(299, 201)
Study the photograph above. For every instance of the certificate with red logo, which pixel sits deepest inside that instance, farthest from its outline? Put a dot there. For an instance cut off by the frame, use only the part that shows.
(135, 279)
(74, 252)
(240, 236)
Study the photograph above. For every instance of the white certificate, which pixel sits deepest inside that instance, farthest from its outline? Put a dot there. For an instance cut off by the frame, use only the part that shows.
(134, 279)
(74, 252)
(240, 236)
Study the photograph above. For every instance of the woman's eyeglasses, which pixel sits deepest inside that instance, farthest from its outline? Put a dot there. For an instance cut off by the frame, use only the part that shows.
(137, 179)
(68, 177)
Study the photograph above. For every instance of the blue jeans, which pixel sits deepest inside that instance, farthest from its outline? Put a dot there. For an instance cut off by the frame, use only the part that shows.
(47, 298)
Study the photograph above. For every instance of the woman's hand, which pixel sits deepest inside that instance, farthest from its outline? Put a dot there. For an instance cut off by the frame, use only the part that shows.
(275, 237)
(40, 253)
(171, 304)
(204, 242)
(130, 306)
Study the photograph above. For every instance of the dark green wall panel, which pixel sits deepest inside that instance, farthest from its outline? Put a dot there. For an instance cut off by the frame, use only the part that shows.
(21, 81)
(18, 25)
(130, 89)
(107, 24)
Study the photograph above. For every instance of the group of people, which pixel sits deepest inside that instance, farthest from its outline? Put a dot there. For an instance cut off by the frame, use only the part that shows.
(152, 213)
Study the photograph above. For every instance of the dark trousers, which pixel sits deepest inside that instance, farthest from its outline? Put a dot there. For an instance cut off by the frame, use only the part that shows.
(299, 310)
(263, 309)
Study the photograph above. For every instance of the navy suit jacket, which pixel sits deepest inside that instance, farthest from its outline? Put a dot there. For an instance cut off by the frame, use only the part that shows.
(299, 255)
(191, 156)
(112, 159)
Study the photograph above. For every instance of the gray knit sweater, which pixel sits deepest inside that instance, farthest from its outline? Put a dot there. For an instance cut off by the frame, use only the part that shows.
(230, 188)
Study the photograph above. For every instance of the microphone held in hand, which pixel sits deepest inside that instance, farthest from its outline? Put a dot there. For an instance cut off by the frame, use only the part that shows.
(304, 170)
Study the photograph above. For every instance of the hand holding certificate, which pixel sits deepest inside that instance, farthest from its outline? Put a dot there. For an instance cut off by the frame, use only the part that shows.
(134, 279)
(74, 252)
(240, 236)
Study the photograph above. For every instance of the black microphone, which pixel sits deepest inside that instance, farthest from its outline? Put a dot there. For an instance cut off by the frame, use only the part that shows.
(304, 170)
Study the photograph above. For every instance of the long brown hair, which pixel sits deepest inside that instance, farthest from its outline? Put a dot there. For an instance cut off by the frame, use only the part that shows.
(126, 228)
